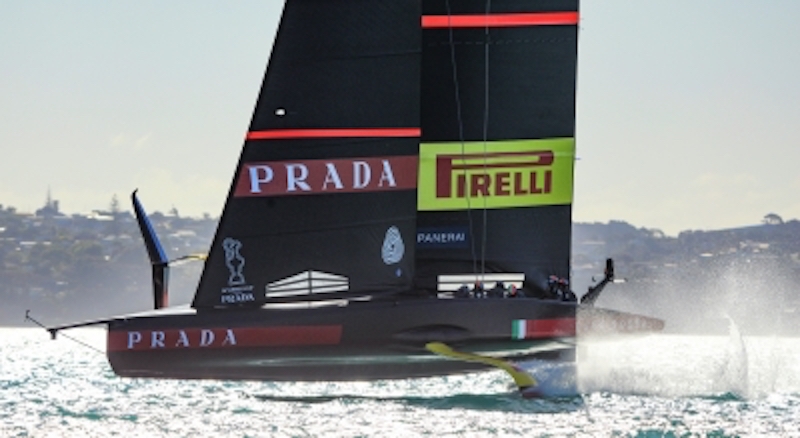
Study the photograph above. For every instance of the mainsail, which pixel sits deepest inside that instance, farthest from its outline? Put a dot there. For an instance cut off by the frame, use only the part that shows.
(396, 141)
(326, 181)
(498, 127)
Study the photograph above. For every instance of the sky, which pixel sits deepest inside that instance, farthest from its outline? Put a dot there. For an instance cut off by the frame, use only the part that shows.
(688, 111)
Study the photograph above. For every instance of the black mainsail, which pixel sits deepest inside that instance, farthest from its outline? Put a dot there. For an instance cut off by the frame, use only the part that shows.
(393, 144)
(498, 128)
(326, 182)
(333, 172)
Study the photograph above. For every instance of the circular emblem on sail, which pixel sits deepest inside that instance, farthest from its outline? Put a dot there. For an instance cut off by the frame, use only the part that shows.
(393, 247)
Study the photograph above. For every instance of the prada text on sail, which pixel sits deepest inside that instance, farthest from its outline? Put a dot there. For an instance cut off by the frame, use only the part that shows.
(348, 175)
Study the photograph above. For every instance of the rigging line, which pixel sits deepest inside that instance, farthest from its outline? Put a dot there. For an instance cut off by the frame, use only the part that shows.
(52, 332)
(461, 131)
(485, 225)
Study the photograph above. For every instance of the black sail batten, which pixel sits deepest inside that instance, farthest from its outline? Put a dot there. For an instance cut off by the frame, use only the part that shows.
(519, 219)
(326, 181)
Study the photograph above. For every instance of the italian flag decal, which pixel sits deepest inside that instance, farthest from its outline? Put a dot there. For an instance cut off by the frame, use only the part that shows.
(542, 328)
(518, 329)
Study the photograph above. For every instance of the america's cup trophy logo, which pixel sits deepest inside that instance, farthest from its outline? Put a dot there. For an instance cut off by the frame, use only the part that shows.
(234, 261)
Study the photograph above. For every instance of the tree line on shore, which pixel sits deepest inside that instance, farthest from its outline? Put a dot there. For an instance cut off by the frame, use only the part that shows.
(74, 267)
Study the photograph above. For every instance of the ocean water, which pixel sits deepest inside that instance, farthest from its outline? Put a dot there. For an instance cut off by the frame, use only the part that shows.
(653, 386)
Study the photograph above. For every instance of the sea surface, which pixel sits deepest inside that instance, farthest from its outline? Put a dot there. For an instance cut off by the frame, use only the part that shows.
(652, 386)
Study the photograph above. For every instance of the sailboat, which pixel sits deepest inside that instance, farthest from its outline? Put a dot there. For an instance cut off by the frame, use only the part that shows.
(401, 206)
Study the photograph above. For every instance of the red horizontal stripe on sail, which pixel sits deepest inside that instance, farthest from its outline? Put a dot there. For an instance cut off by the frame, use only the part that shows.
(279, 134)
(223, 337)
(500, 20)
(545, 328)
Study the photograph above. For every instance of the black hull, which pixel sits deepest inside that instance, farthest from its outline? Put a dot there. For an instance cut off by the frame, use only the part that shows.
(360, 341)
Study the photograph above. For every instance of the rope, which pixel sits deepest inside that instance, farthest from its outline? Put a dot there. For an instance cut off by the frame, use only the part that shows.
(461, 131)
(53, 332)
(485, 131)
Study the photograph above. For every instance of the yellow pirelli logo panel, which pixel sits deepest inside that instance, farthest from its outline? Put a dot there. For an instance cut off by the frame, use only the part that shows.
(495, 174)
